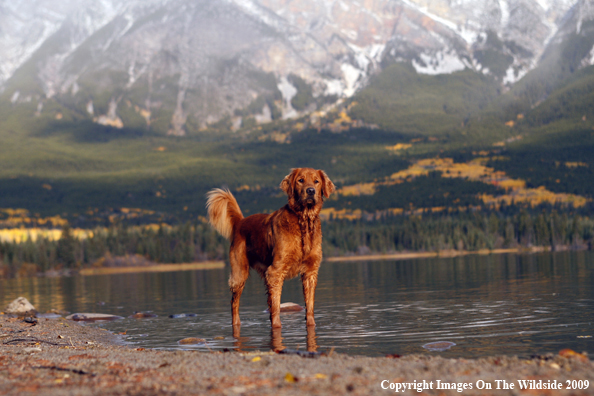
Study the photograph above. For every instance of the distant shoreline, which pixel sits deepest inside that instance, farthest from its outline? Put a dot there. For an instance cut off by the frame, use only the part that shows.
(219, 264)
(204, 265)
(440, 254)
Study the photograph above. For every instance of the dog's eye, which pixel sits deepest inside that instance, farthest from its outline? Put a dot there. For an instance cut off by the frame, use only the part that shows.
(301, 180)
(317, 181)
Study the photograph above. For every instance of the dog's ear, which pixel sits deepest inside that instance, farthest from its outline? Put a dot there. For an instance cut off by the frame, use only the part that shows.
(327, 185)
(287, 183)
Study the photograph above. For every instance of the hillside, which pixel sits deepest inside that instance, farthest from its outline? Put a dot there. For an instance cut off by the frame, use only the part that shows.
(178, 67)
(402, 100)
(84, 171)
(403, 140)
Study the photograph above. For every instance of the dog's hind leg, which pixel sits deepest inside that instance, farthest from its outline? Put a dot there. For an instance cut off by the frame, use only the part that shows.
(240, 270)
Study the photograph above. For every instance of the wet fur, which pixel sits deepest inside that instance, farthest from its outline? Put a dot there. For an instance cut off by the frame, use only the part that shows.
(278, 246)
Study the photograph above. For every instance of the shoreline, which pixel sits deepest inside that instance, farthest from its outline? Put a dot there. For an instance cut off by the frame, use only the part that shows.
(202, 265)
(219, 264)
(59, 357)
(439, 254)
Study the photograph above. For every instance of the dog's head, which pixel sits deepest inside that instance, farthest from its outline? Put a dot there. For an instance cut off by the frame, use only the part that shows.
(306, 187)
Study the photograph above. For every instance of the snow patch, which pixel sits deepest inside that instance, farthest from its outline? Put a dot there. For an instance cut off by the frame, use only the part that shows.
(588, 60)
(543, 4)
(352, 34)
(585, 12)
(261, 13)
(39, 109)
(133, 74)
(362, 61)
(504, 7)
(236, 123)
(265, 116)
(439, 63)
(111, 118)
(467, 35)
(351, 77)
(178, 120)
(288, 91)
(17, 50)
(512, 76)
(366, 55)
(561, 4)
(333, 87)
(376, 51)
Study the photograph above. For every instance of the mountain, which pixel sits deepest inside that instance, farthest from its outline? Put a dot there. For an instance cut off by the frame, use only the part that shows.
(179, 66)
(476, 106)
(113, 108)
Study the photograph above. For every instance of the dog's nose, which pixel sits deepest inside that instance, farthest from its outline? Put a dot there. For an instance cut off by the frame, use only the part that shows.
(311, 191)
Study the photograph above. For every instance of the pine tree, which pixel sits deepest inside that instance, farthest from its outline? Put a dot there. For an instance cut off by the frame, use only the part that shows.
(65, 251)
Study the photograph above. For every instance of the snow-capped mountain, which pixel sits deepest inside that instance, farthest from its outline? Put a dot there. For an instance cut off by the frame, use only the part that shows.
(180, 64)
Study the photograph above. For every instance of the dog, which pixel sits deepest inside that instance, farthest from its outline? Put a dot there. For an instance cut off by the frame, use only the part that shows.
(278, 246)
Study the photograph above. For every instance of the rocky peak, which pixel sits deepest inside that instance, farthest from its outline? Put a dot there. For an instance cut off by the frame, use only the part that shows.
(178, 64)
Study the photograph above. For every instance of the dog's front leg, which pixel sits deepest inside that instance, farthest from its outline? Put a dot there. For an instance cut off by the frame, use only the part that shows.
(274, 285)
(310, 282)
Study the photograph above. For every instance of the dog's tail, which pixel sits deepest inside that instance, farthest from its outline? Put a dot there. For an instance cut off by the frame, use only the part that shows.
(223, 211)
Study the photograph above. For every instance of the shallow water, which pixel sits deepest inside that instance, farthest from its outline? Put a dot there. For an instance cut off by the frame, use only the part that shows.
(485, 305)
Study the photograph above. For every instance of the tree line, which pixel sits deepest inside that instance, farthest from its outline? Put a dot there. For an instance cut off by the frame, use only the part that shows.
(460, 231)
(114, 246)
(472, 231)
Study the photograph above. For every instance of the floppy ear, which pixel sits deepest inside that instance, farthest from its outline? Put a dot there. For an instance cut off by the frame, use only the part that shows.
(327, 185)
(287, 183)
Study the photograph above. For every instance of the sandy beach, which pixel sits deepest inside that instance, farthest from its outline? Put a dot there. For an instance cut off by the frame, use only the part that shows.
(62, 357)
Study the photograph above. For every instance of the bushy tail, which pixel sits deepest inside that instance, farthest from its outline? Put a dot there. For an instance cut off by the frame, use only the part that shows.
(223, 211)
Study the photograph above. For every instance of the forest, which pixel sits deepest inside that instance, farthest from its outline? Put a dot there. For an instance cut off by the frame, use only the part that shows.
(509, 227)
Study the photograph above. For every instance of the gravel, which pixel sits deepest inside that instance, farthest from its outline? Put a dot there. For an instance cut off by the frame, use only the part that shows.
(62, 357)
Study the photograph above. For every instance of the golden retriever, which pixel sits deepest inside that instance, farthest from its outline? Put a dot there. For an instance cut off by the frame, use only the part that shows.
(278, 246)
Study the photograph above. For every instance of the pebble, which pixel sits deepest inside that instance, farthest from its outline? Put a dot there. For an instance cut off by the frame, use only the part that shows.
(59, 312)
(92, 317)
(192, 341)
(31, 349)
(439, 346)
(306, 354)
(21, 307)
(142, 315)
(183, 315)
(49, 316)
(289, 307)
(571, 354)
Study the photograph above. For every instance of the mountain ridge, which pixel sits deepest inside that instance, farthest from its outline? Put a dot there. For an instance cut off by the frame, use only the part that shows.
(184, 66)
(81, 136)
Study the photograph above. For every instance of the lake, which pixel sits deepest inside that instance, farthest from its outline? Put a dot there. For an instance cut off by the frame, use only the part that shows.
(485, 304)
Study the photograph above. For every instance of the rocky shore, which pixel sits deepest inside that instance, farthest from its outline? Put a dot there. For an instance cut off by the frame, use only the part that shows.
(42, 356)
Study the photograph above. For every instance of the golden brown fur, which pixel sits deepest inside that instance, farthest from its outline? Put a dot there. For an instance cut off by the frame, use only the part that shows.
(280, 245)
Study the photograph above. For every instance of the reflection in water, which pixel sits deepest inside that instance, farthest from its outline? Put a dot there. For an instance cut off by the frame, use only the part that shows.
(276, 339)
(312, 344)
(520, 304)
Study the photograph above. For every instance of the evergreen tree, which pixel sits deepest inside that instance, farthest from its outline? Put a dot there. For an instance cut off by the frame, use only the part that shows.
(66, 249)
